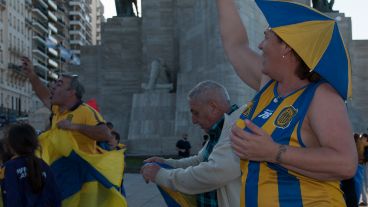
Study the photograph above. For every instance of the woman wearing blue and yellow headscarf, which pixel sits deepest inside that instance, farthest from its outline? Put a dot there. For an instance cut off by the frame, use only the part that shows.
(294, 139)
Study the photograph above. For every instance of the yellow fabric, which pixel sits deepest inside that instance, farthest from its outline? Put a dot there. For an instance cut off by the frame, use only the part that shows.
(57, 143)
(268, 184)
(84, 114)
(244, 170)
(350, 85)
(2, 173)
(308, 39)
(86, 197)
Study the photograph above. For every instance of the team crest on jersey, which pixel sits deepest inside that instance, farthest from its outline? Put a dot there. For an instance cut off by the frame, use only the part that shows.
(285, 117)
(247, 110)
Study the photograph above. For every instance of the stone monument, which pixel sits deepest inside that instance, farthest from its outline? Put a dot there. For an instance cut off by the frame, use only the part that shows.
(323, 5)
(124, 8)
(158, 78)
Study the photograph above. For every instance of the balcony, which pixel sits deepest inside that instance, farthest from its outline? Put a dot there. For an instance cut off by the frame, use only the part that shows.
(38, 26)
(53, 52)
(78, 23)
(61, 8)
(53, 28)
(43, 3)
(53, 63)
(53, 40)
(61, 34)
(40, 69)
(76, 3)
(76, 13)
(40, 52)
(61, 22)
(39, 39)
(76, 42)
(52, 16)
(52, 4)
(76, 32)
(40, 12)
(2, 4)
(53, 75)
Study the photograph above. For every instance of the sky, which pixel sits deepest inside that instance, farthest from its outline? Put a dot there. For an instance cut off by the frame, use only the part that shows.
(356, 9)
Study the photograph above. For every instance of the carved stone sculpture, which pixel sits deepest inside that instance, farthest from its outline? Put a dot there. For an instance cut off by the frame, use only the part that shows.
(323, 5)
(124, 8)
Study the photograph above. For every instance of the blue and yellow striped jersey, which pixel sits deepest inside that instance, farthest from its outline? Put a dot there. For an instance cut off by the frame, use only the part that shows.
(268, 184)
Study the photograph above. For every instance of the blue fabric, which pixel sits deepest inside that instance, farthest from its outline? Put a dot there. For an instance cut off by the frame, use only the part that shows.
(104, 145)
(333, 64)
(358, 180)
(170, 202)
(72, 172)
(17, 191)
(280, 13)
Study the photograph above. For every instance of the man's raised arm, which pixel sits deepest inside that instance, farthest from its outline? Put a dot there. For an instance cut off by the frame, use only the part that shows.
(42, 92)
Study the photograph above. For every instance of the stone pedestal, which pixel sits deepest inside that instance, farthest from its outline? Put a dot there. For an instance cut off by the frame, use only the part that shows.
(152, 123)
(358, 107)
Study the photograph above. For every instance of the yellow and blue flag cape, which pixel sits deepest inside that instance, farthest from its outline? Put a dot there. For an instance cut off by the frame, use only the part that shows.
(84, 179)
(174, 198)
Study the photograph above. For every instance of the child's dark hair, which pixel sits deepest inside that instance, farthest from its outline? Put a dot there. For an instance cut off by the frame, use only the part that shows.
(22, 140)
(5, 155)
(116, 135)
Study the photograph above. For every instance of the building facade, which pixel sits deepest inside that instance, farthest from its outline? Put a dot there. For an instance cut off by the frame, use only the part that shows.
(97, 18)
(80, 29)
(15, 42)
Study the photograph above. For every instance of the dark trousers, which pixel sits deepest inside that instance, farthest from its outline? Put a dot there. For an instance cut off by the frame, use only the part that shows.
(348, 187)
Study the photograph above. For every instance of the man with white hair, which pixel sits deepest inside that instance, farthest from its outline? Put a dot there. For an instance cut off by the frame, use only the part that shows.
(214, 173)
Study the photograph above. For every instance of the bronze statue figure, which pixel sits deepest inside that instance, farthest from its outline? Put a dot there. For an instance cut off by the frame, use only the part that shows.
(323, 5)
(124, 8)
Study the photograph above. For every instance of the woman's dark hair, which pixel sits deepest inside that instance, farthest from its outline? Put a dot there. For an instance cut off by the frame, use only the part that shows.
(22, 140)
(303, 71)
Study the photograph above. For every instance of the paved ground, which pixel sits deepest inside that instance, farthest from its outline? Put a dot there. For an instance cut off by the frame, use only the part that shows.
(140, 194)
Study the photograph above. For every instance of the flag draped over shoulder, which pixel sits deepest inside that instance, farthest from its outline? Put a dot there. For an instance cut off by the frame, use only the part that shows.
(174, 198)
(84, 179)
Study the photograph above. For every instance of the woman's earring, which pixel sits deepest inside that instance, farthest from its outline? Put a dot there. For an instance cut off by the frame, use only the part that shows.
(283, 56)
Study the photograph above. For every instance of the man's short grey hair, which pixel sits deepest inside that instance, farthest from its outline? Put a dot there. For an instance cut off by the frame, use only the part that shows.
(75, 85)
(209, 90)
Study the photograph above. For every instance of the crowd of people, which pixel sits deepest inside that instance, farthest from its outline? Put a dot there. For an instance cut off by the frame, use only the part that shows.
(290, 145)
